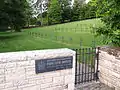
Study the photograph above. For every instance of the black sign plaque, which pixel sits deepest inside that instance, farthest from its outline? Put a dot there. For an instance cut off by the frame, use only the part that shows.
(53, 64)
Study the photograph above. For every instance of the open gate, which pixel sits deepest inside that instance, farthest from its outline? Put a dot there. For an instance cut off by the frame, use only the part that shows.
(86, 65)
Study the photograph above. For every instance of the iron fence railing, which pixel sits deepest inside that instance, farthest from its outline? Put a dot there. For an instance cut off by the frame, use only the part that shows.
(86, 65)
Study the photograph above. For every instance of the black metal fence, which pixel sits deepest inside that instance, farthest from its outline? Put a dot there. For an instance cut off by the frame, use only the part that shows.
(86, 65)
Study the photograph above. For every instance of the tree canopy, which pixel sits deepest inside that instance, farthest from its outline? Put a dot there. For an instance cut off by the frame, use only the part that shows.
(13, 14)
(109, 11)
(54, 12)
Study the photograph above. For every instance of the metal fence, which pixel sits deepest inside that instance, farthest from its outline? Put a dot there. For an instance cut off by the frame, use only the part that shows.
(86, 65)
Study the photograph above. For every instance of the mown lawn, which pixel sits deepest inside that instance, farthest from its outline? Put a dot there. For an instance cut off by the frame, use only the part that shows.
(69, 35)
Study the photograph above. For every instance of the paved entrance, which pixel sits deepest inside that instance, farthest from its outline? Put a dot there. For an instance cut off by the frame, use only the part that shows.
(93, 86)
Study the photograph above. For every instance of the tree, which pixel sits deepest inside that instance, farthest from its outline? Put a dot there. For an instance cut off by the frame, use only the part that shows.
(82, 10)
(110, 15)
(65, 9)
(39, 7)
(3, 17)
(75, 12)
(1, 3)
(29, 15)
(90, 11)
(54, 12)
(13, 14)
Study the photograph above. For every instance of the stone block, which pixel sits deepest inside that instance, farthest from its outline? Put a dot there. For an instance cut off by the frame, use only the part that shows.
(42, 81)
(50, 74)
(71, 86)
(15, 74)
(29, 72)
(59, 79)
(2, 86)
(66, 72)
(2, 79)
(22, 82)
(36, 87)
(9, 85)
(25, 63)
(27, 85)
(12, 88)
(10, 65)
(30, 68)
(2, 72)
(110, 85)
(117, 88)
(50, 88)
(69, 79)
(57, 84)
(57, 88)
(46, 85)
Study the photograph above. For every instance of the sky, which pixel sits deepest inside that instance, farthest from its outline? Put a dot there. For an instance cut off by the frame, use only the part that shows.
(87, 1)
(72, 0)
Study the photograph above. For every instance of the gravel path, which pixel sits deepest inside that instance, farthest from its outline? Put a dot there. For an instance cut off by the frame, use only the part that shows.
(93, 86)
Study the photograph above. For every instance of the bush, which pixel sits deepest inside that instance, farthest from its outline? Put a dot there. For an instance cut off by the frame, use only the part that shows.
(110, 12)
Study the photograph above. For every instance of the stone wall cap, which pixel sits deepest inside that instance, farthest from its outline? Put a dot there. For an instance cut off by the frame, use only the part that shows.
(37, 54)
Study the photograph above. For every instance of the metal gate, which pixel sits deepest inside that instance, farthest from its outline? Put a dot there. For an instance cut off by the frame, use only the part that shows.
(86, 65)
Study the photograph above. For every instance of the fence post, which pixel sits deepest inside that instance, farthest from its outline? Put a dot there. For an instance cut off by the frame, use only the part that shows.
(93, 44)
(80, 43)
(97, 56)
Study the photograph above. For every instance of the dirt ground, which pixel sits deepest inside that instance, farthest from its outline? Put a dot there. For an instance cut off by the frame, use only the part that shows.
(115, 51)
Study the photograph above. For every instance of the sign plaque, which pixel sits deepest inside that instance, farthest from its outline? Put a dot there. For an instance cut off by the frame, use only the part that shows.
(53, 64)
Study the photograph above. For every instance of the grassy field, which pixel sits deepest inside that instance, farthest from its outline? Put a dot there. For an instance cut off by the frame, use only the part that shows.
(69, 35)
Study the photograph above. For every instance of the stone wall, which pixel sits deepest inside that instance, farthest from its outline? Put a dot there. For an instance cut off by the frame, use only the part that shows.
(109, 66)
(17, 71)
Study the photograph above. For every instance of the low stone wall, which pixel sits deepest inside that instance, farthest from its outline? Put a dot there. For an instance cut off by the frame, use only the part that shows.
(17, 71)
(109, 66)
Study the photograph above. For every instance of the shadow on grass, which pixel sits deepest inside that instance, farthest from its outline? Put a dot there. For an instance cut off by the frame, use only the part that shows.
(9, 35)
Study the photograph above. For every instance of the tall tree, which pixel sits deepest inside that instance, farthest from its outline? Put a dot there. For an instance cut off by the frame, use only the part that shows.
(54, 12)
(66, 9)
(82, 10)
(29, 14)
(1, 3)
(75, 11)
(13, 14)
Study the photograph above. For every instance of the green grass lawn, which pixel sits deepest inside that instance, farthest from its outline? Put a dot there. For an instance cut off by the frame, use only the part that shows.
(69, 35)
